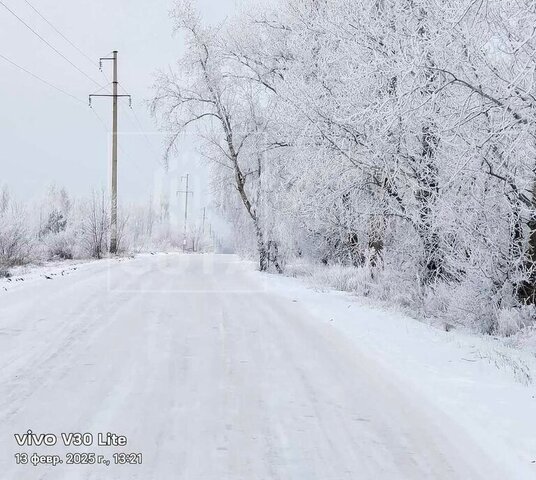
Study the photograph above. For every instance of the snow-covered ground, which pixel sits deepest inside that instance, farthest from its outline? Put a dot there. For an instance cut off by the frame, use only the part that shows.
(484, 385)
(214, 371)
(24, 274)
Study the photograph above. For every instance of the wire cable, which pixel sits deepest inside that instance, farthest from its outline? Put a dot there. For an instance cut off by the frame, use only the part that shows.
(137, 164)
(141, 130)
(47, 43)
(62, 35)
(41, 79)
(153, 154)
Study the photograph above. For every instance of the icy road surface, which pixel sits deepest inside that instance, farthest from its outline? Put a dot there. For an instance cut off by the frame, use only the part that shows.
(211, 376)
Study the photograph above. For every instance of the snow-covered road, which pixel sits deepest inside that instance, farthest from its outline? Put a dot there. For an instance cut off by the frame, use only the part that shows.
(211, 375)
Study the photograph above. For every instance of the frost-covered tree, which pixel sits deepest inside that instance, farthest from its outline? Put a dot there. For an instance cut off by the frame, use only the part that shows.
(208, 91)
(397, 140)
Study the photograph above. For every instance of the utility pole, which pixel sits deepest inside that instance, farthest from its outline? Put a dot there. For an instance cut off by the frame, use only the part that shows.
(186, 193)
(115, 96)
(204, 218)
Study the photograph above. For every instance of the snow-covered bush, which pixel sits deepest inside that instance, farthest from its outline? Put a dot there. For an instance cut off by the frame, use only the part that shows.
(59, 245)
(94, 226)
(15, 240)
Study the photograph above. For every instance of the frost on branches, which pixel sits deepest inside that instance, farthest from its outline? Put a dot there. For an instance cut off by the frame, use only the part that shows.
(391, 140)
(61, 227)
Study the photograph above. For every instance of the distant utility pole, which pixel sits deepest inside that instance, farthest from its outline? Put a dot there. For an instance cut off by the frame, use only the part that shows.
(204, 218)
(186, 193)
(115, 96)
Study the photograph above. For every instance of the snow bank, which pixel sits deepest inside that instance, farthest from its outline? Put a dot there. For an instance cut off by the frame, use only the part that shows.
(482, 383)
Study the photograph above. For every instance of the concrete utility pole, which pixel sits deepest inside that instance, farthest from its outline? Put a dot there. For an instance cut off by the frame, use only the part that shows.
(186, 192)
(115, 96)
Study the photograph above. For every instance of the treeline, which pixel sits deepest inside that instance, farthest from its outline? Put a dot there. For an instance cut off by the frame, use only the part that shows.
(393, 137)
(60, 227)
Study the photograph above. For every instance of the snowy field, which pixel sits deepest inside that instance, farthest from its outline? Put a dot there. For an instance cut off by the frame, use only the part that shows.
(214, 371)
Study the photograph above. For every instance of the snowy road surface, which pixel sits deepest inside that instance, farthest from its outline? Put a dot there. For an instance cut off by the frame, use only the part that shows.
(211, 376)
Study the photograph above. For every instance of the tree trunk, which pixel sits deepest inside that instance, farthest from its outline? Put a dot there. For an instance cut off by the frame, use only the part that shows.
(375, 242)
(527, 289)
(261, 249)
(426, 194)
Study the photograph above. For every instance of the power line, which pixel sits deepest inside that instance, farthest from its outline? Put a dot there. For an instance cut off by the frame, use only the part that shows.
(70, 42)
(140, 128)
(153, 155)
(47, 43)
(41, 79)
(46, 82)
(104, 87)
(106, 129)
(126, 155)
(142, 131)
(61, 34)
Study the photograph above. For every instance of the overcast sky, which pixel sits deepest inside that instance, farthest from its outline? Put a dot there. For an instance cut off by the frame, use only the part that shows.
(45, 136)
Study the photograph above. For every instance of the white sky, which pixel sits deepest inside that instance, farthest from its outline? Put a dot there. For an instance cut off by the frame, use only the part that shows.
(46, 137)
